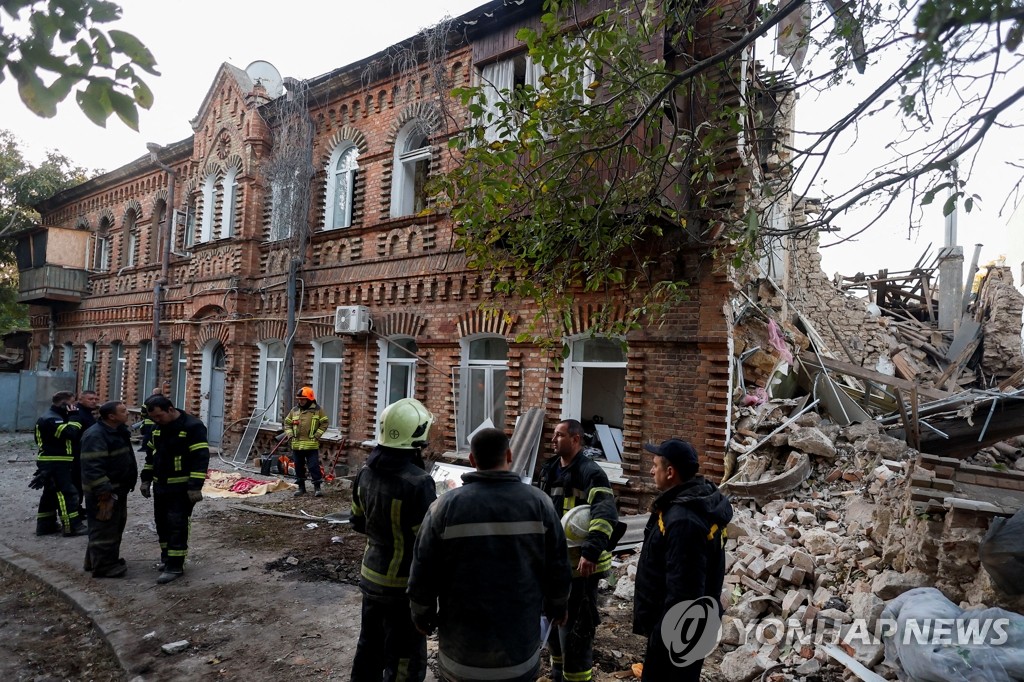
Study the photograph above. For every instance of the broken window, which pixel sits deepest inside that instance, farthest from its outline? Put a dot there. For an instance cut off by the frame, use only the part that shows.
(595, 381)
(397, 371)
(327, 365)
(268, 393)
(341, 179)
(482, 385)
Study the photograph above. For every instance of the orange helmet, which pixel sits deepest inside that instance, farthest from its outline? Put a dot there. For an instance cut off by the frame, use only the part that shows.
(305, 392)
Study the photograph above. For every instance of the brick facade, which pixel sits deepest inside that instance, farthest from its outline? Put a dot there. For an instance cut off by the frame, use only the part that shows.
(231, 291)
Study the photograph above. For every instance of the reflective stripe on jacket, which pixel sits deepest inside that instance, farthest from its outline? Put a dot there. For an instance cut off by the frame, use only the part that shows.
(389, 498)
(108, 460)
(178, 456)
(305, 426)
(57, 436)
(489, 561)
(583, 482)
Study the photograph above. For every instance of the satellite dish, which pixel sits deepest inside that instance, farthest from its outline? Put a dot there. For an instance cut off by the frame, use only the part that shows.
(267, 75)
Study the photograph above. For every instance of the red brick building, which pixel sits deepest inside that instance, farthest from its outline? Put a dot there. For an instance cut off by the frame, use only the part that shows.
(376, 131)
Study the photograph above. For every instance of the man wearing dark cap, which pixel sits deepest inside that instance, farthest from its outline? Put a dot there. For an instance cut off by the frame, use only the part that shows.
(683, 557)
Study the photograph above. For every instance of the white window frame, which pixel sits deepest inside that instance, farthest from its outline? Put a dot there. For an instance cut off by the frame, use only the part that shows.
(133, 244)
(179, 372)
(340, 196)
(229, 196)
(499, 79)
(116, 388)
(68, 358)
(209, 204)
(403, 182)
(329, 396)
(271, 374)
(146, 374)
(489, 367)
(190, 224)
(572, 384)
(387, 366)
(89, 367)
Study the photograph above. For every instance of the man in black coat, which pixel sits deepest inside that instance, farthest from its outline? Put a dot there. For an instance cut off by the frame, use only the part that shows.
(109, 473)
(494, 530)
(683, 560)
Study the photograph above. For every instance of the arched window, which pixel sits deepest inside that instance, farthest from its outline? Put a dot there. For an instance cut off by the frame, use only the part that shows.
(268, 394)
(209, 205)
(89, 367)
(481, 385)
(68, 359)
(130, 241)
(341, 179)
(327, 365)
(397, 378)
(146, 375)
(101, 247)
(229, 195)
(179, 359)
(411, 169)
(116, 388)
(190, 223)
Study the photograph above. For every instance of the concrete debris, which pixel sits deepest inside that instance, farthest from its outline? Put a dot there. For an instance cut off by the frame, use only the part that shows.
(175, 647)
(812, 441)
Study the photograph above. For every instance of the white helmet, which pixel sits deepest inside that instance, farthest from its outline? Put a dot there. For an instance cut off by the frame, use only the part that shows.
(576, 524)
(404, 425)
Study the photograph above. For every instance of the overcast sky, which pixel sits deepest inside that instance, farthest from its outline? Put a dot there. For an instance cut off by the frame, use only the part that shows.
(306, 38)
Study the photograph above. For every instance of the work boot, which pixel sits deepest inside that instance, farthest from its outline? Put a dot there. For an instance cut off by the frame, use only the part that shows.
(47, 528)
(77, 528)
(316, 490)
(169, 575)
(118, 570)
(302, 489)
(160, 566)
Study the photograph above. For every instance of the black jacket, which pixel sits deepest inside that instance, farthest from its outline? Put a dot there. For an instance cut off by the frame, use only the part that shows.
(178, 456)
(389, 498)
(57, 435)
(489, 559)
(683, 556)
(583, 482)
(108, 460)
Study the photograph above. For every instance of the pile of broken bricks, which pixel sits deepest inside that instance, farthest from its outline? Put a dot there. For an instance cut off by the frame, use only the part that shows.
(830, 545)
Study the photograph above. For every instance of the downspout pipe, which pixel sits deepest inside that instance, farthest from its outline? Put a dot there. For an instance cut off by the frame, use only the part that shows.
(164, 232)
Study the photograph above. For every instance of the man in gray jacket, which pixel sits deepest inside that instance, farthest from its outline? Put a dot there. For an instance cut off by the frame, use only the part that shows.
(493, 531)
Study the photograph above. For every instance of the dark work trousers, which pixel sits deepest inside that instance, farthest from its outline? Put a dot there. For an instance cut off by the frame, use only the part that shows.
(173, 514)
(76, 480)
(59, 500)
(104, 551)
(658, 667)
(389, 644)
(572, 645)
(307, 459)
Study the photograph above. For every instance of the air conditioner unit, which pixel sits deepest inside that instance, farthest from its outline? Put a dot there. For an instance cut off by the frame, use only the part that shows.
(351, 319)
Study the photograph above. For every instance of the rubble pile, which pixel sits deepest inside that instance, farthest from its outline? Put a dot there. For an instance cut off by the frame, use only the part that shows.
(866, 458)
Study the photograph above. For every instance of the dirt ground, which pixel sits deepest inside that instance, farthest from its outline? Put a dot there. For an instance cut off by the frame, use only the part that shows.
(263, 597)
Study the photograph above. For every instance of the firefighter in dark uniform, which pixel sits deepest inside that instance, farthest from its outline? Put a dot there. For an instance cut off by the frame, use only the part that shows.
(57, 435)
(175, 470)
(88, 402)
(109, 473)
(572, 479)
(390, 496)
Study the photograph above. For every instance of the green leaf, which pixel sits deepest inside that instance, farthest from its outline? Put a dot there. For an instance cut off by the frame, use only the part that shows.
(132, 47)
(143, 95)
(950, 204)
(94, 102)
(124, 107)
